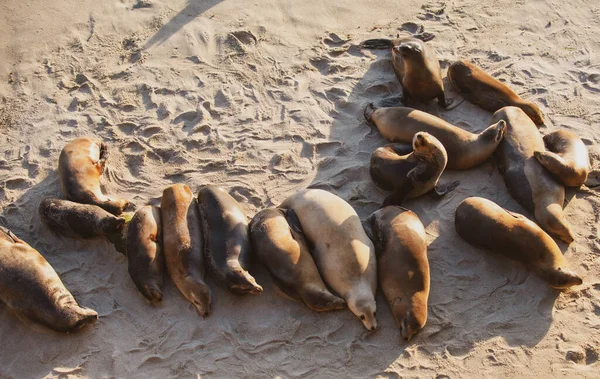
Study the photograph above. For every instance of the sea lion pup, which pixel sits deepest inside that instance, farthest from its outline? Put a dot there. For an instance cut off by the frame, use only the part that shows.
(489, 93)
(465, 149)
(226, 241)
(527, 181)
(413, 174)
(31, 288)
(182, 245)
(284, 252)
(483, 223)
(567, 159)
(402, 265)
(341, 249)
(80, 165)
(416, 66)
(78, 220)
(145, 258)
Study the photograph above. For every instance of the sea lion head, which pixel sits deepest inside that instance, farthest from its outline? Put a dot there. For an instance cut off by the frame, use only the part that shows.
(563, 278)
(409, 49)
(427, 147)
(241, 282)
(366, 310)
(198, 294)
(494, 132)
(409, 319)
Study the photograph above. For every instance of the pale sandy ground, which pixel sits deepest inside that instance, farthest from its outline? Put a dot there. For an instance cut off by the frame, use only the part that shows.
(264, 98)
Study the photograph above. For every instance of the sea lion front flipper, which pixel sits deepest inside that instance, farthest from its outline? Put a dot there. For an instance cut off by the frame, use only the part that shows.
(293, 221)
(101, 164)
(443, 189)
(377, 43)
(399, 195)
(402, 148)
(392, 101)
(554, 164)
(367, 225)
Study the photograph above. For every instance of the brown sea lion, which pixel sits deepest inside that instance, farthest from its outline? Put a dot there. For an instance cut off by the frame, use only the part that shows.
(31, 288)
(489, 93)
(80, 165)
(226, 241)
(413, 174)
(284, 252)
(342, 251)
(483, 223)
(182, 245)
(527, 181)
(416, 66)
(465, 150)
(567, 159)
(145, 258)
(79, 220)
(402, 265)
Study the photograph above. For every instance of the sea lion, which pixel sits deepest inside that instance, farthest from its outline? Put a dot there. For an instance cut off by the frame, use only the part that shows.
(489, 93)
(79, 220)
(483, 223)
(402, 265)
(342, 251)
(413, 174)
(80, 165)
(31, 288)
(226, 240)
(567, 159)
(416, 66)
(182, 245)
(284, 252)
(465, 149)
(527, 181)
(145, 258)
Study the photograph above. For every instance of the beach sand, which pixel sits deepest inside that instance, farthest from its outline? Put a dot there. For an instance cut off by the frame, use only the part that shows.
(265, 98)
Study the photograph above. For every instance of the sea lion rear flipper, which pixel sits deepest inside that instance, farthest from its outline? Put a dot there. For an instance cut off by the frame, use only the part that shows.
(554, 164)
(443, 189)
(293, 221)
(377, 43)
(103, 157)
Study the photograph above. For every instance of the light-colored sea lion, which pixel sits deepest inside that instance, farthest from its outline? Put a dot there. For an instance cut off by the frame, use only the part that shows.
(341, 249)
(416, 66)
(483, 223)
(145, 258)
(182, 245)
(79, 220)
(31, 288)
(284, 252)
(226, 241)
(527, 181)
(489, 93)
(413, 174)
(402, 265)
(567, 159)
(80, 165)
(465, 150)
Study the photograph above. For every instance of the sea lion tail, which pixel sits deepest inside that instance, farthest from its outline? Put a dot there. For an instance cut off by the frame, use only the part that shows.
(377, 43)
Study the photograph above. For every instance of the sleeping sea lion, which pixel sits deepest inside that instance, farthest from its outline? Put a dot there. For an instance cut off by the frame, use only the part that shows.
(465, 150)
(527, 181)
(79, 220)
(31, 288)
(567, 159)
(80, 165)
(226, 241)
(402, 265)
(342, 251)
(489, 93)
(284, 252)
(483, 223)
(182, 245)
(145, 258)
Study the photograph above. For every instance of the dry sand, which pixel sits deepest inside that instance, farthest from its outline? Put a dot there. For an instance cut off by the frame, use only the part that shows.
(264, 98)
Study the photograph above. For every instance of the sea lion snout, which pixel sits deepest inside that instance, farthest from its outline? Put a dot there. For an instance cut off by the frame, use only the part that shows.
(564, 278)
